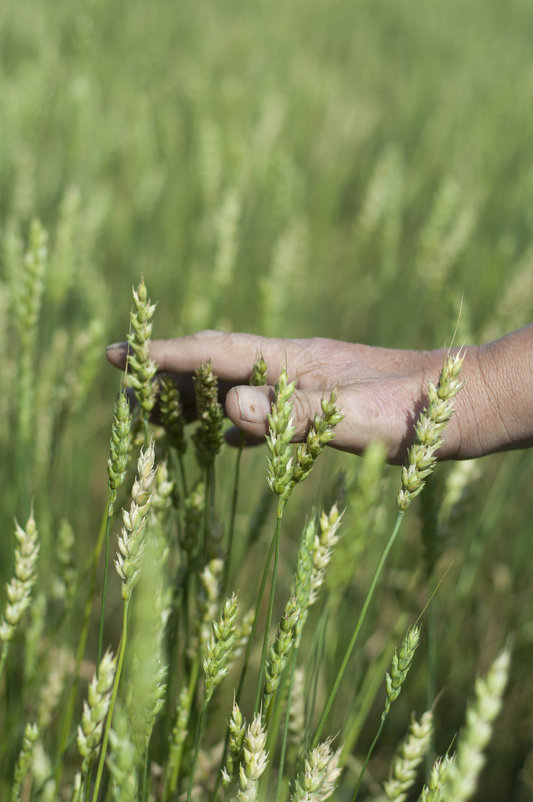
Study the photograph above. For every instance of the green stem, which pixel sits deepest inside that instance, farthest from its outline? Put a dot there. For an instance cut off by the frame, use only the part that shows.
(359, 624)
(145, 773)
(279, 786)
(431, 658)
(87, 785)
(233, 510)
(104, 592)
(183, 475)
(199, 733)
(114, 693)
(207, 510)
(3, 657)
(276, 541)
(430, 542)
(67, 721)
(369, 755)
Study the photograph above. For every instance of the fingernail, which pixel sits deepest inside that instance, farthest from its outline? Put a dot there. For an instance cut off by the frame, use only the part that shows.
(254, 406)
(117, 347)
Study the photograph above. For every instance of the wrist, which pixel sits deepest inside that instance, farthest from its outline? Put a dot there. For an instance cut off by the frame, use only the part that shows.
(494, 410)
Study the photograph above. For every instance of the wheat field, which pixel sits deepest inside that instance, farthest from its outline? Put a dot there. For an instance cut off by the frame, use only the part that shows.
(357, 171)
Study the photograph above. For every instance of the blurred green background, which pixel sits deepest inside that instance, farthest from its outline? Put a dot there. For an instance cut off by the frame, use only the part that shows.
(355, 170)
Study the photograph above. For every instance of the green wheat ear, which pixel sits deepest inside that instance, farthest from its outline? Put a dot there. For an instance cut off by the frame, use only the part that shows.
(318, 775)
(208, 435)
(429, 428)
(280, 433)
(141, 369)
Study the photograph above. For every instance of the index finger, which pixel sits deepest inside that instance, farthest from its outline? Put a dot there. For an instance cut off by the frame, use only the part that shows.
(232, 354)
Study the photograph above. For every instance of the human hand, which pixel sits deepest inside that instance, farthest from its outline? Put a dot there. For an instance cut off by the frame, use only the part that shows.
(381, 390)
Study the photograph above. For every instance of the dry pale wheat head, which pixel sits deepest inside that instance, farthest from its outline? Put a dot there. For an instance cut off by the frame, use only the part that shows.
(318, 775)
(19, 589)
(463, 773)
(409, 756)
(437, 777)
(31, 733)
(131, 543)
(323, 544)
(179, 730)
(95, 710)
(121, 761)
(237, 730)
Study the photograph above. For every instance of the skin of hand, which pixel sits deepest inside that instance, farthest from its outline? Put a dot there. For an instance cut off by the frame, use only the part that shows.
(381, 390)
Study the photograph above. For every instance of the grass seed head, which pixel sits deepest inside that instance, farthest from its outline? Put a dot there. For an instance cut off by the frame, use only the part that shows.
(31, 733)
(401, 663)
(171, 412)
(122, 761)
(95, 710)
(254, 762)
(18, 590)
(179, 730)
(323, 545)
(320, 434)
(131, 543)
(259, 371)
(437, 779)
(429, 428)
(279, 651)
(141, 369)
(120, 447)
(220, 646)
(208, 435)
(463, 773)
(318, 776)
(237, 729)
(409, 756)
(280, 433)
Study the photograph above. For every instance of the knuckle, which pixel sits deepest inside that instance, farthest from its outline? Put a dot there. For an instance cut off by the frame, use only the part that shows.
(302, 414)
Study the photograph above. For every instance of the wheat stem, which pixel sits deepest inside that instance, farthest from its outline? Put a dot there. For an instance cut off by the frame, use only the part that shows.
(276, 542)
(69, 711)
(114, 693)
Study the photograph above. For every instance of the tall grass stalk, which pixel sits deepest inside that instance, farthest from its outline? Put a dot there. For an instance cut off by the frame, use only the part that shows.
(131, 546)
(275, 549)
(113, 700)
(65, 733)
(257, 379)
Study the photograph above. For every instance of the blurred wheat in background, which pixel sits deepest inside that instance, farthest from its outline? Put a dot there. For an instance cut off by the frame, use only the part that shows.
(349, 170)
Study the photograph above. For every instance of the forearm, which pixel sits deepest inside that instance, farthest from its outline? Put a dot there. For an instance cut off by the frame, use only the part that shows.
(495, 408)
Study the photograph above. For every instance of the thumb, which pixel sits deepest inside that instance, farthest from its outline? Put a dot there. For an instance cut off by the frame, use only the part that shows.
(248, 407)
